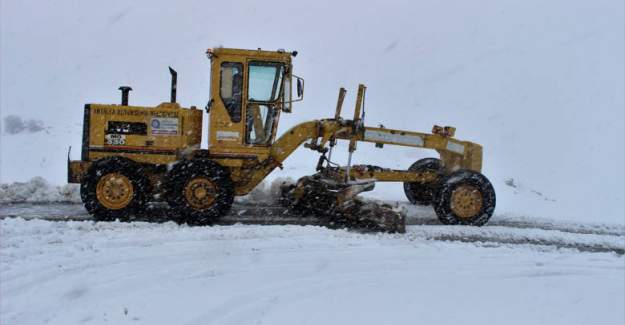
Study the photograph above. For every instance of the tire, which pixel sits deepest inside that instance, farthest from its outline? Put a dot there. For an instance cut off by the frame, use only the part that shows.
(423, 193)
(200, 190)
(114, 188)
(465, 198)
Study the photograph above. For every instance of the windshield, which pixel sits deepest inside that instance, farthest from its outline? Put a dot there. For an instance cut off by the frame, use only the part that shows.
(265, 79)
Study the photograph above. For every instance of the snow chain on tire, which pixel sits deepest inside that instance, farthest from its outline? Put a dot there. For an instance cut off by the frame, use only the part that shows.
(200, 190)
(114, 188)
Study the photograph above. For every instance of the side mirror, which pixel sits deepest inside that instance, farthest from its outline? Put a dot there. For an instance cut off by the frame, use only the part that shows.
(300, 89)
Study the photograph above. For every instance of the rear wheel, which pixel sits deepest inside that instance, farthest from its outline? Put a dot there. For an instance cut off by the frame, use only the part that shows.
(423, 193)
(466, 198)
(114, 188)
(200, 190)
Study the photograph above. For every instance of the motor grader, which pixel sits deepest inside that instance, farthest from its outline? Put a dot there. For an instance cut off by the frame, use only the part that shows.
(132, 155)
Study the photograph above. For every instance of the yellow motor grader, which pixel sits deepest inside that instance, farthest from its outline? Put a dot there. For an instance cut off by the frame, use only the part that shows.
(132, 155)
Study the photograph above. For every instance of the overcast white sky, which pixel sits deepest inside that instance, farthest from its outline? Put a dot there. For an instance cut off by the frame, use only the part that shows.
(539, 83)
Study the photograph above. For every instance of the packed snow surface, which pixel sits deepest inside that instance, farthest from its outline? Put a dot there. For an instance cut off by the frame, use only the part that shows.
(538, 83)
(76, 272)
(515, 270)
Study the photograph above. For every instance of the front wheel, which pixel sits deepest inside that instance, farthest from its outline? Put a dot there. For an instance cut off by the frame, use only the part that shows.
(465, 198)
(200, 190)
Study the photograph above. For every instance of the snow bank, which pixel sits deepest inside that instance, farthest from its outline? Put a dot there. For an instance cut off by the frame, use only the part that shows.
(38, 190)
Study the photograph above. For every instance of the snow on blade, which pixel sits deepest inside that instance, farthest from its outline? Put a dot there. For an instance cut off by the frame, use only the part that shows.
(264, 193)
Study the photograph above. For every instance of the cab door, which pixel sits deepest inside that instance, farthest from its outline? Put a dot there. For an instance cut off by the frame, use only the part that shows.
(226, 127)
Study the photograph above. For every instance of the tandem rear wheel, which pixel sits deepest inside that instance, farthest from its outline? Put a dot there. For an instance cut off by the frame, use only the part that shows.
(114, 188)
(200, 191)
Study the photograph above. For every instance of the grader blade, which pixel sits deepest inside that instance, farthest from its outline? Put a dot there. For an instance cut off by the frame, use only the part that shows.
(337, 205)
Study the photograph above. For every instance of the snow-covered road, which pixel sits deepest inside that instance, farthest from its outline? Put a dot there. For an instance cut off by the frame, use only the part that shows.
(514, 271)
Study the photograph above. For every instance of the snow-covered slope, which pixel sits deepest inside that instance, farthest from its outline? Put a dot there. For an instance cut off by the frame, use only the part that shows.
(539, 84)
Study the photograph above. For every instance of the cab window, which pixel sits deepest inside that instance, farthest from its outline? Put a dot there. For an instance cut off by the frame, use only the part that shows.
(265, 81)
(231, 88)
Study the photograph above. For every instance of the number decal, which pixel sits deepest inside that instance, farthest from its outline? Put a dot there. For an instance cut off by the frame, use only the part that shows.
(115, 139)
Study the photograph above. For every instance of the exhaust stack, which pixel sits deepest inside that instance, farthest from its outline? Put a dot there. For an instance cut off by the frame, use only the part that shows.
(125, 91)
(174, 81)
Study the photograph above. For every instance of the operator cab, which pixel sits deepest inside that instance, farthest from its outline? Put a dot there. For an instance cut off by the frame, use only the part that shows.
(249, 89)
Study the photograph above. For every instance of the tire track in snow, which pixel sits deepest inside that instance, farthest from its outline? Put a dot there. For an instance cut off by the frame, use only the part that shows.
(526, 223)
(500, 230)
(559, 244)
(421, 216)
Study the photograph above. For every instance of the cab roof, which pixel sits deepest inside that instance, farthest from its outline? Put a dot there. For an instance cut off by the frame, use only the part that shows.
(281, 55)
